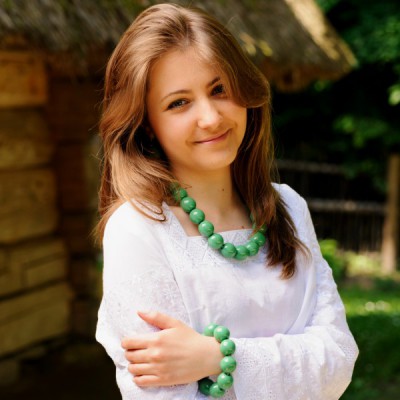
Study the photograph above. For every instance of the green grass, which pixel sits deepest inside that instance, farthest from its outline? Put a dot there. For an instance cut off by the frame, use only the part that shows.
(373, 313)
(372, 303)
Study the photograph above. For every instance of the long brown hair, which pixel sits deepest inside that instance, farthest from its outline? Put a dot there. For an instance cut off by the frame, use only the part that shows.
(129, 170)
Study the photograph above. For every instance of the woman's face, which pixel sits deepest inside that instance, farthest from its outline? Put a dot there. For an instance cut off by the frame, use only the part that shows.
(199, 127)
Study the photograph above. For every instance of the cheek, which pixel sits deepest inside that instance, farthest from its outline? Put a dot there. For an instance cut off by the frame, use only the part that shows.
(166, 141)
(162, 129)
(173, 129)
(170, 139)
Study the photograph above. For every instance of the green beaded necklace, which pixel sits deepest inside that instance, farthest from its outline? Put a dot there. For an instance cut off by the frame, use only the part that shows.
(215, 240)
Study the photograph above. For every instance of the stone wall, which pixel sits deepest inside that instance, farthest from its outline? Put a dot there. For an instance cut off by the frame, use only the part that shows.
(34, 291)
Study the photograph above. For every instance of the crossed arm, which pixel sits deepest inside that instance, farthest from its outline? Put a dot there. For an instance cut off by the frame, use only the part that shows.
(174, 355)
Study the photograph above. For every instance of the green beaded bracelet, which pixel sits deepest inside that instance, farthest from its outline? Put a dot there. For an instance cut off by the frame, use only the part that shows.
(228, 363)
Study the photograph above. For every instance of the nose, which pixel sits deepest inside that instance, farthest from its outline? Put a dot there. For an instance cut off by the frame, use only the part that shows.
(209, 117)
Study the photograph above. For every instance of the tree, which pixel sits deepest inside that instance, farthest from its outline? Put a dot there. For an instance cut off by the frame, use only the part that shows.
(353, 121)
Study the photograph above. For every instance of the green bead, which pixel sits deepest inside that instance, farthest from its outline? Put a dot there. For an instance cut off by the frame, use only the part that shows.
(196, 216)
(209, 329)
(225, 381)
(228, 364)
(216, 241)
(179, 194)
(259, 238)
(188, 204)
(227, 347)
(263, 229)
(252, 247)
(241, 252)
(221, 333)
(206, 228)
(216, 391)
(228, 250)
(205, 385)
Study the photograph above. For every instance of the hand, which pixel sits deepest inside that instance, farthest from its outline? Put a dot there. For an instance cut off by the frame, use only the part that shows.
(176, 354)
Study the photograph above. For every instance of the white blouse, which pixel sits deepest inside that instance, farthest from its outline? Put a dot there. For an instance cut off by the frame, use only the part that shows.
(292, 339)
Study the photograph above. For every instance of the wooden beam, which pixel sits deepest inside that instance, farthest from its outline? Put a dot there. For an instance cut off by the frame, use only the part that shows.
(346, 206)
(23, 79)
(390, 242)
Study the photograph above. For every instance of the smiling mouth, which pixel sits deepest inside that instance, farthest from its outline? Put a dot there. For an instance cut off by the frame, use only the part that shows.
(215, 139)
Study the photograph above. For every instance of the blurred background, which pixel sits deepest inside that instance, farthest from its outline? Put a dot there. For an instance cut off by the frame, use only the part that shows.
(334, 67)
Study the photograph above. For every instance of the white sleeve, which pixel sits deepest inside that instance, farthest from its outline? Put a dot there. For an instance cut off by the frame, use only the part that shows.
(135, 277)
(312, 365)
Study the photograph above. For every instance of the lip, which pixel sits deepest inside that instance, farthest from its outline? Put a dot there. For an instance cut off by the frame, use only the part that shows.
(214, 139)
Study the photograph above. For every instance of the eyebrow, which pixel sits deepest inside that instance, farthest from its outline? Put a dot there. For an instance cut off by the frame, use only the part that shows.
(184, 91)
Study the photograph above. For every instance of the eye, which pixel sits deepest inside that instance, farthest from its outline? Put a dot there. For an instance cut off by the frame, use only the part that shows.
(177, 104)
(219, 89)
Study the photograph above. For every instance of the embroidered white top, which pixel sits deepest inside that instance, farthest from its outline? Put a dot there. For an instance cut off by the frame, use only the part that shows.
(292, 339)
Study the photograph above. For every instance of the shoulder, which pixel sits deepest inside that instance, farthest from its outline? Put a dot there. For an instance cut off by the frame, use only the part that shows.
(131, 247)
(299, 212)
(295, 205)
(128, 220)
(292, 200)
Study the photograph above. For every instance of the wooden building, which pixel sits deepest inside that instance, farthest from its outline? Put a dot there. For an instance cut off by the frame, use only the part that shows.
(52, 58)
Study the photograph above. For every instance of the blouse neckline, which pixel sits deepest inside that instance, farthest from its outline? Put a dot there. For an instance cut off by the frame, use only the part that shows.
(172, 218)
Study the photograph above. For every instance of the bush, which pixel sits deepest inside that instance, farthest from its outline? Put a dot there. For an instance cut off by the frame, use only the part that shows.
(335, 259)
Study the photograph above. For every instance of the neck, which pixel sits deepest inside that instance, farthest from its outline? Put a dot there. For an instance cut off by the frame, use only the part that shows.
(216, 195)
(214, 188)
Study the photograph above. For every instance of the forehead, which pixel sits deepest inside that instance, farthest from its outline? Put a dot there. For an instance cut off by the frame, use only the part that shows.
(180, 69)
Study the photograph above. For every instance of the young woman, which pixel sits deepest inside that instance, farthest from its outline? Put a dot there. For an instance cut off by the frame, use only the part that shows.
(195, 233)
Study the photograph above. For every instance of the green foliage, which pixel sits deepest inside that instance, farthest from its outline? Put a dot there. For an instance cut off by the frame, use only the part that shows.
(363, 264)
(354, 121)
(327, 5)
(373, 32)
(394, 94)
(329, 250)
(361, 129)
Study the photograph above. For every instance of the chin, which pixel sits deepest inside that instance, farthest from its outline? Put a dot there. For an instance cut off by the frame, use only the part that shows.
(218, 164)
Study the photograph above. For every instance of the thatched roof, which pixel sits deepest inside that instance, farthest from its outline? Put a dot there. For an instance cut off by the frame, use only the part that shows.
(290, 40)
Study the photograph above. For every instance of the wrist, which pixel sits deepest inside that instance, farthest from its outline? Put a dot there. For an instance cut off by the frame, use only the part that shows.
(213, 356)
(226, 366)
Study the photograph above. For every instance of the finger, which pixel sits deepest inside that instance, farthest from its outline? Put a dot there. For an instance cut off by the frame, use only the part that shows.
(137, 356)
(147, 380)
(136, 342)
(160, 320)
(140, 369)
